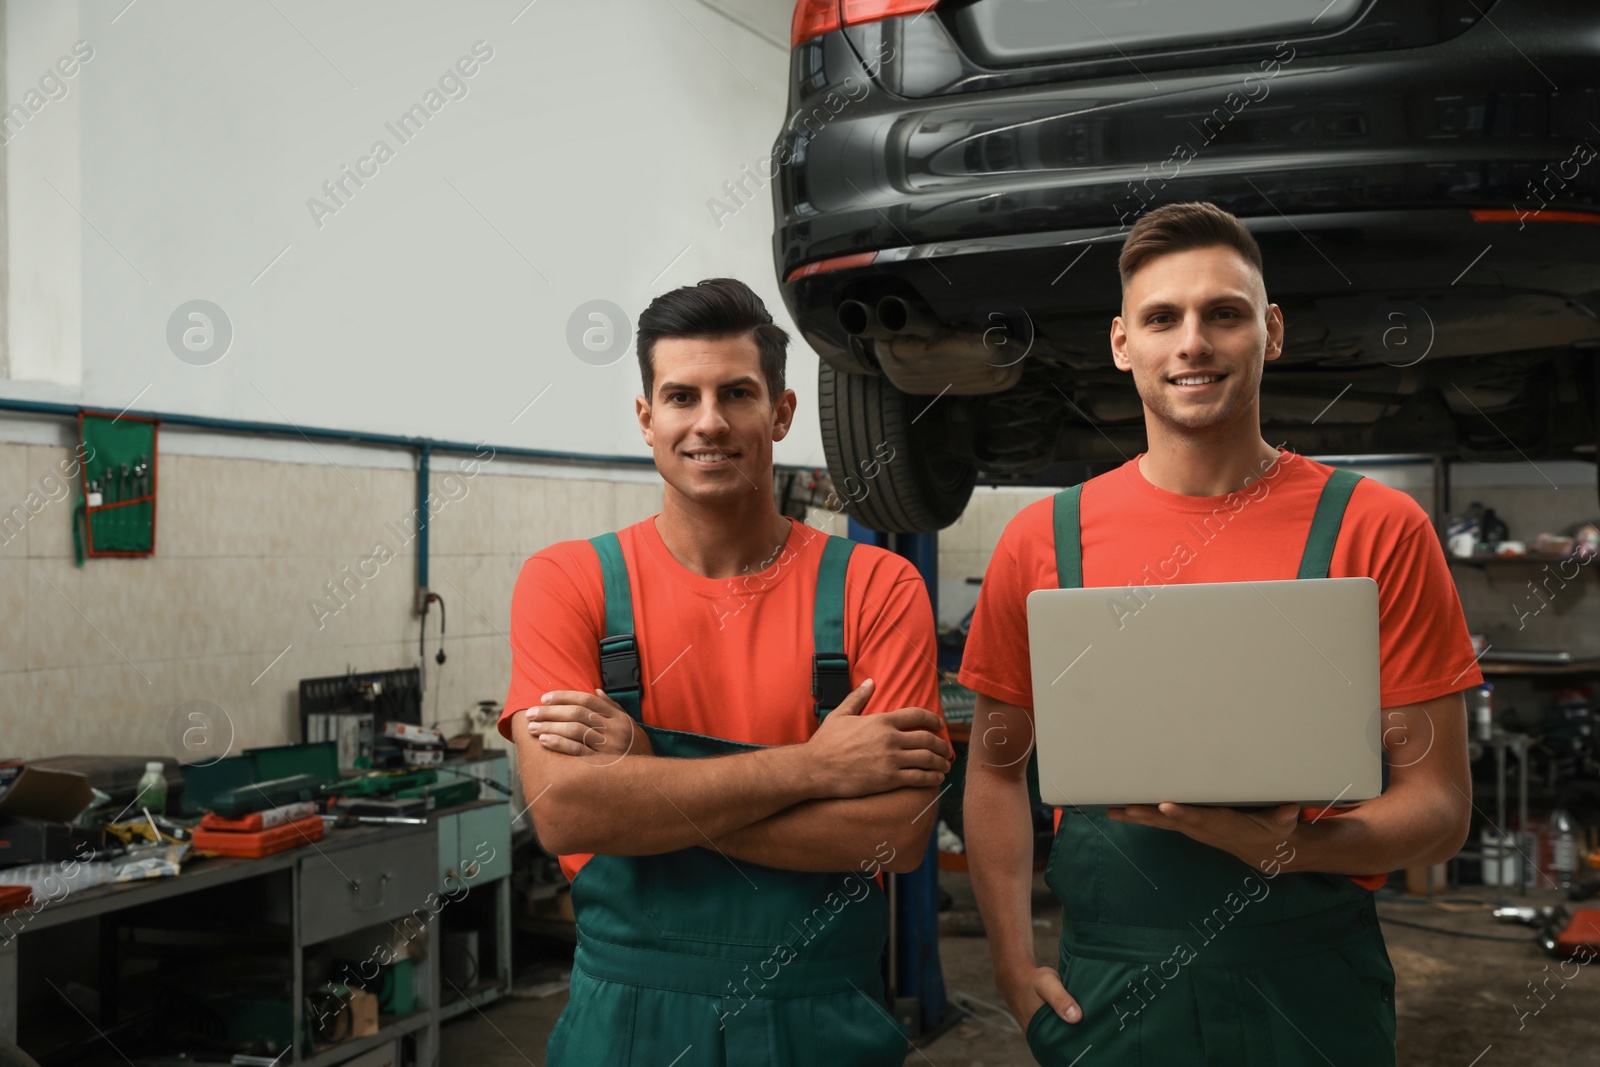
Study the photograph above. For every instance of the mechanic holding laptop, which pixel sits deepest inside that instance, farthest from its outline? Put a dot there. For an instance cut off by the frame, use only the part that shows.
(768, 739)
(1212, 935)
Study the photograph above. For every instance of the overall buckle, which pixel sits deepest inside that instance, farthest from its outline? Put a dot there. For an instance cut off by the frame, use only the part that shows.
(619, 663)
(830, 679)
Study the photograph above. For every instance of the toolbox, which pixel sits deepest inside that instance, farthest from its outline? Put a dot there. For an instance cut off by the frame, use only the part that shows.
(203, 783)
(1581, 933)
(260, 820)
(445, 794)
(260, 796)
(382, 782)
(29, 840)
(407, 808)
(319, 759)
(258, 843)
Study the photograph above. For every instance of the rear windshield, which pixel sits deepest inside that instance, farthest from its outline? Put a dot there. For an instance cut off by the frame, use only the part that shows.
(1009, 32)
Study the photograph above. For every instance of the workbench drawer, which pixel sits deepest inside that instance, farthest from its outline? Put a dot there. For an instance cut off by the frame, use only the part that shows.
(474, 847)
(351, 888)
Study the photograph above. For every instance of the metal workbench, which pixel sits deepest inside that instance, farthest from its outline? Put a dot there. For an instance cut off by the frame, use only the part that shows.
(350, 880)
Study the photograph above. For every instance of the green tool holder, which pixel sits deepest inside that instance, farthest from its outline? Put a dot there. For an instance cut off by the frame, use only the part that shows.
(119, 483)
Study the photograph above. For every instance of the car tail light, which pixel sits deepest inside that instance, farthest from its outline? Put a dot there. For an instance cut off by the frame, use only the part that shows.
(1501, 214)
(813, 18)
(855, 259)
(854, 11)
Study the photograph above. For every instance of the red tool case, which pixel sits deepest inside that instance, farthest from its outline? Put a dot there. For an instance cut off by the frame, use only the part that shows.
(257, 820)
(258, 843)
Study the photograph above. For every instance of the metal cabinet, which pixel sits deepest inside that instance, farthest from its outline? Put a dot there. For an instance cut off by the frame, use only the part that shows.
(474, 860)
(367, 885)
(474, 846)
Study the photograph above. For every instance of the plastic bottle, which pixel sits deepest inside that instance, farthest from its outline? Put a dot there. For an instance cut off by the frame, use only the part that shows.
(1563, 847)
(153, 788)
(1480, 703)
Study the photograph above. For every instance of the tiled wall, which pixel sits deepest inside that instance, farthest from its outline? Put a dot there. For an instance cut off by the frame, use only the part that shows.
(965, 546)
(104, 659)
(101, 659)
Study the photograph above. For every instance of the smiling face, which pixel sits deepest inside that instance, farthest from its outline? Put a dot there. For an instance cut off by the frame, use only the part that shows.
(1196, 333)
(711, 421)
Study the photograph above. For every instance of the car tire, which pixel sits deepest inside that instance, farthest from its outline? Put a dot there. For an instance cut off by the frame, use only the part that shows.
(889, 455)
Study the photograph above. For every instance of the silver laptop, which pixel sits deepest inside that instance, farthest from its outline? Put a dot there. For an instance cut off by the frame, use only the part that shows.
(1220, 693)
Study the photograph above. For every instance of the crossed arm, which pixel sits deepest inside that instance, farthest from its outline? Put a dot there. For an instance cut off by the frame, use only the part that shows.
(1422, 818)
(595, 785)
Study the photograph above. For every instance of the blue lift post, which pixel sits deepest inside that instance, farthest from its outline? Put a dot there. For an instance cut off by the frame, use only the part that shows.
(917, 968)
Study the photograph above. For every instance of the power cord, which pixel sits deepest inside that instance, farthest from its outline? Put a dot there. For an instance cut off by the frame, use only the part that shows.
(1457, 933)
(422, 648)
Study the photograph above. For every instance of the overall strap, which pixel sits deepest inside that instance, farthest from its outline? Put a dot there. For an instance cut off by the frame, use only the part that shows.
(619, 649)
(830, 667)
(1325, 522)
(1069, 539)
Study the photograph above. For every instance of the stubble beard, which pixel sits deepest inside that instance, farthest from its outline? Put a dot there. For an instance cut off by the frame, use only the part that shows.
(1197, 418)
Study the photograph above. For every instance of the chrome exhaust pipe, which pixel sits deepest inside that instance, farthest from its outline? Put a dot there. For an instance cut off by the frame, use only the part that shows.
(901, 317)
(858, 320)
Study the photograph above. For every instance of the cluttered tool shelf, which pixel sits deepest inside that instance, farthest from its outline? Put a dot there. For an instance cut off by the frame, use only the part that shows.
(201, 872)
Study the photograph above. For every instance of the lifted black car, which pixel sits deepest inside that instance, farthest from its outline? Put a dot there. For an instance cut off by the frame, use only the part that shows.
(956, 179)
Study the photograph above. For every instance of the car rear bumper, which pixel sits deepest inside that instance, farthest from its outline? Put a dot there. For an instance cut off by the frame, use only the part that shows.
(1461, 287)
(1291, 135)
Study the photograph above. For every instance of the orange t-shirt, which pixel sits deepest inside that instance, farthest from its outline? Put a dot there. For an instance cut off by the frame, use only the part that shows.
(1136, 534)
(721, 657)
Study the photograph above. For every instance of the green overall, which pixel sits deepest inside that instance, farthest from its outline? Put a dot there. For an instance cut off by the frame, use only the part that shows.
(1181, 955)
(694, 958)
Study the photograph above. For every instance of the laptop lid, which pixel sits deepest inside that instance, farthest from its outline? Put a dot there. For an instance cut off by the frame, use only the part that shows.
(1213, 693)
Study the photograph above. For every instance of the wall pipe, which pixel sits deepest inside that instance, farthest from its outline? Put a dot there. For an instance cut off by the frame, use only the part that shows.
(423, 446)
(358, 437)
(423, 455)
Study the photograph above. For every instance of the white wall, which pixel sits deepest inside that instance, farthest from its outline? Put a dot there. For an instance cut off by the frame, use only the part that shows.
(44, 263)
(435, 301)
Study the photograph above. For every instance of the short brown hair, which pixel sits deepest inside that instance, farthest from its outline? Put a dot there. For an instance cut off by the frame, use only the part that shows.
(715, 308)
(1180, 228)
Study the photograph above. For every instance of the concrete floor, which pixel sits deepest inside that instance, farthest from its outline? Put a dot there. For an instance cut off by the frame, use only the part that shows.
(1457, 1000)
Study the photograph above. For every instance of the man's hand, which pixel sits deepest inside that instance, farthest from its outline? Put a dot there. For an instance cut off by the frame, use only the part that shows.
(1253, 837)
(586, 724)
(865, 755)
(1041, 985)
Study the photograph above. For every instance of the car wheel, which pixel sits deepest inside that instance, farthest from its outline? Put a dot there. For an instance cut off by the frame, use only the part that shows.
(889, 455)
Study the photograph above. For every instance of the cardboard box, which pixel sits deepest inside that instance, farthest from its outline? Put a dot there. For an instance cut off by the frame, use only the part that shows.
(363, 1013)
(465, 746)
(37, 793)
